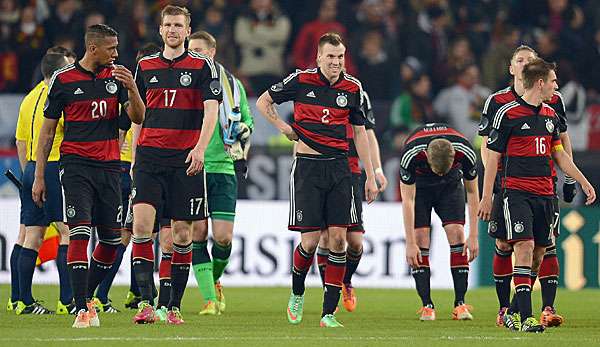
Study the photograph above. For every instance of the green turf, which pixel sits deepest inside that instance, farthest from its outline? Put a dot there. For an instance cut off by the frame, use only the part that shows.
(256, 317)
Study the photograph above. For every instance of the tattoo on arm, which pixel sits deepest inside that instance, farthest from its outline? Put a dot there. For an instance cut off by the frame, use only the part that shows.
(47, 147)
(272, 113)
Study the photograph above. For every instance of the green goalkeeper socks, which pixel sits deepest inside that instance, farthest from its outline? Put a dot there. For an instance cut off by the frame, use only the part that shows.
(220, 255)
(203, 270)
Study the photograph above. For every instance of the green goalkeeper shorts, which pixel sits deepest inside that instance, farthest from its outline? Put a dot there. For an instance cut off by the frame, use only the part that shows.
(222, 194)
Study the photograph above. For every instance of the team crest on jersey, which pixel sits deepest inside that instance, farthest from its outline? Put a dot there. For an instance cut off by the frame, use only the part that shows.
(519, 227)
(404, 174)
(71, 211)
(185, 79)
(549, 125)
(341, 100)
(299, 215)
(277, 87)
(111, 87)
(483, 123)
(215, 87)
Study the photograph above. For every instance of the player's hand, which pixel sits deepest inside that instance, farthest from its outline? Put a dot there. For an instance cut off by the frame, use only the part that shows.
(485, 208)
(196, 160)
(413, 255)
(471, 248)
(289, 132)
(589, 191)
(123, 75)
(380, 178)
(38, 191)
(569, 191)
(371, 190)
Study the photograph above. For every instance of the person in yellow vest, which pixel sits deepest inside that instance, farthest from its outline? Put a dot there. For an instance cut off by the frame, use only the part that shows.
(37, 219)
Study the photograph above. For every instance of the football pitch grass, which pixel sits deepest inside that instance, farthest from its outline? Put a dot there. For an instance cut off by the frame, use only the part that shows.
(256, 317)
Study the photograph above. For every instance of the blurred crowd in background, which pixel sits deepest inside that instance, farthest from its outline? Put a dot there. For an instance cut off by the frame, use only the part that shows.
(420, 60)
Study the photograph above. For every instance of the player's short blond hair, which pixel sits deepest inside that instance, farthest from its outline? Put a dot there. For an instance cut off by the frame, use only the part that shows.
(523, 48)
(171, 10)
(440, 156)
(331, 38)
(210, 40)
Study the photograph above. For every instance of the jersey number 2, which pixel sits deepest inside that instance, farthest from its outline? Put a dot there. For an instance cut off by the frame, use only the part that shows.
(324, 119)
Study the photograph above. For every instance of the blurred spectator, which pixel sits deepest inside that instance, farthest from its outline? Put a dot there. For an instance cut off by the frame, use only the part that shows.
(590, 68)
(461, 104)
(31, 44)
(574, 98)
(305, 47)
(429, 41)
(9, 17)
(65, 19)
(262, 34)
(497, 58)
(92, 18)
(374, 66)
(371, 17)
(215, 24)
(410, 109)
(547, 46)
(459, 56)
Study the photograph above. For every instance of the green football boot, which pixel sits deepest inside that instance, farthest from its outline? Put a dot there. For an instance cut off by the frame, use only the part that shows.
(531, 325)
(329, 321)
(161, 313)
(295, 308)
(512, 321)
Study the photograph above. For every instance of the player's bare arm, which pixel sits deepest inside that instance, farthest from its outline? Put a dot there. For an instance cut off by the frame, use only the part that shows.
(413, 253)
(266, 107)
(565, 162)
(134, 107)
(22, 153)
(45, 140)
(196, 155)
(491, 169)
(376, 160)
(484, 150)
(472, 245)
(362, 147)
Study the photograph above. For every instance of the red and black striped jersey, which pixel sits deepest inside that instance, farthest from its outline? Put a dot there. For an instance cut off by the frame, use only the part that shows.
(413, 160)
(90, 104)
(526, 136)
(508, 95)
(174, 92)
(367, 109)
(322, 110)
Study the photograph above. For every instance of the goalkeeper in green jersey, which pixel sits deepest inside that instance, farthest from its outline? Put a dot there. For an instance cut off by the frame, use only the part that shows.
(227, 150)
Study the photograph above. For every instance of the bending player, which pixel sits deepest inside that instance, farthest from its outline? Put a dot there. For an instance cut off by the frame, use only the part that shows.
(434, 161)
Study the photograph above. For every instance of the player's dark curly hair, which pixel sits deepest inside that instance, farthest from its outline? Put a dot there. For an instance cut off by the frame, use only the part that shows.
(99, 31)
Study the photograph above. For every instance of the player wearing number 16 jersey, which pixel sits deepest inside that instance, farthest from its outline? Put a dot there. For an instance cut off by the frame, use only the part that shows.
(88, 93)
(182, 92)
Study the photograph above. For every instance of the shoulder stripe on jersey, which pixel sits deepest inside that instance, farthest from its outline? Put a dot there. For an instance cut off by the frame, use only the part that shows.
(209, 61)
(367, 99)
(294, 74)
(487, 102)
(562, 101)
(500, 113)
(147, 57)
(466, 150)
(58, 72)
(410, 154)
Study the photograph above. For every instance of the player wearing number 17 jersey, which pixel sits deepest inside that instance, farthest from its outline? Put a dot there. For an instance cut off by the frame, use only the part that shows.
(88, 93)
(182, 92)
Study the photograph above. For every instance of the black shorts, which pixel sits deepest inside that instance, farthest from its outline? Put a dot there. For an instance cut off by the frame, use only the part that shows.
(529, 217)
(448, 201)
(92, 196)
(52, 209)
(183, 197)
(320, 193)
(357, 199)
(496, 225)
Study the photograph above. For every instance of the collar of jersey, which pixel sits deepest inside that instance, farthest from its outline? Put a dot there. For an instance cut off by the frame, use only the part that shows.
(172, 61)
(326, 81)
(87, 72)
